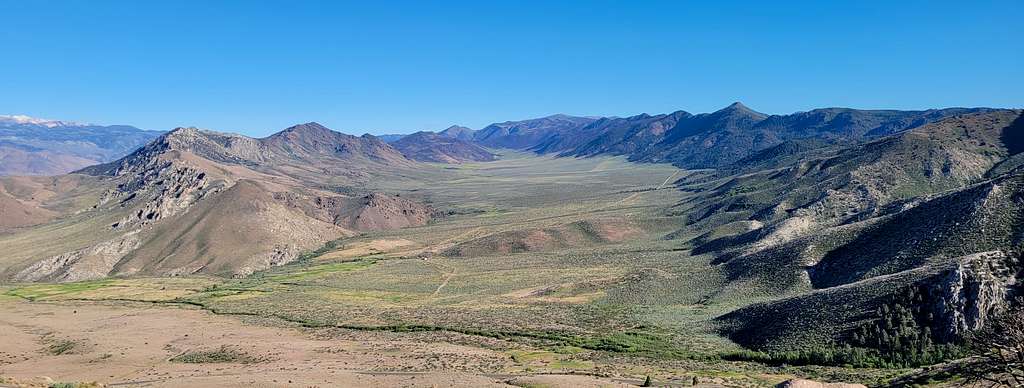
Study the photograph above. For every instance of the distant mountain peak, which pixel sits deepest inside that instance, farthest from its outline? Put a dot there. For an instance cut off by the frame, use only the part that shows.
(307, 133)
(182, 133)
(183, 130)
(458, 132)
(444, 147)
(29, 120)
(311, 126)
(561, 116)
(185, 139)
(738, 109)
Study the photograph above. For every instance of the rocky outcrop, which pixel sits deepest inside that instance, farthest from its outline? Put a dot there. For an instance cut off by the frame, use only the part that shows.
(976, 288)
(373, 211)
(233, 233)
(171, 191)
(93, 262)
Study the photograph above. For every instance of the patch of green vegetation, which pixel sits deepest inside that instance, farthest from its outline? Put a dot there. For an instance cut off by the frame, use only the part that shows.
(528, 385)
(526, 357)
(568, 350)
(6, 296)
(549, 359)
(224, 354)
(306, 257)
(628, 342)
(75, 385)
(633, 342)
(44, 291)
(845, 356)
(315, 271)
(61, 347)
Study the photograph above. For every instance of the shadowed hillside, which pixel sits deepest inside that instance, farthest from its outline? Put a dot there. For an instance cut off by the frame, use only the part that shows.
(440, 148)
(706, 140)
(910, 222)
(527, 133)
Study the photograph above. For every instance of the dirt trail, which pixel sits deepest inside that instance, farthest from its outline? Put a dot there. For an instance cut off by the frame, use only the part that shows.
(447, 273)
(131, 345)
(441, 246)
(667, 180)
(638, 193)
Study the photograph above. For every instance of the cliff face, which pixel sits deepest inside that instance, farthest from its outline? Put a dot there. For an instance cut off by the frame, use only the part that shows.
(978, 287)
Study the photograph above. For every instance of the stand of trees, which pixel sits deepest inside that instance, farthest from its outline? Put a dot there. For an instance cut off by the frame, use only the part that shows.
(902, 334)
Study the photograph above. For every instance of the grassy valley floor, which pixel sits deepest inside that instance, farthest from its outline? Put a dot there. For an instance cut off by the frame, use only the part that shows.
(543, 272)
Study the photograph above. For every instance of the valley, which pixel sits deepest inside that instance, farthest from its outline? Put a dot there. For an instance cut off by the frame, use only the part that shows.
(541, 263)
(456, 261)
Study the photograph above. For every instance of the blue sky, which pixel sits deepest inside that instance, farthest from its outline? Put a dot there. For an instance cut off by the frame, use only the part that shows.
(396, 67)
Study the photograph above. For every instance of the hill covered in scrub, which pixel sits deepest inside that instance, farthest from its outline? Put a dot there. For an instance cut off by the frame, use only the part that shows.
(928, 221)
(195, 201)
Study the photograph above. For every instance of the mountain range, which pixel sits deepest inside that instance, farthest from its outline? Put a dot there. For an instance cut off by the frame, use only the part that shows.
(31, 146)
(708, 140)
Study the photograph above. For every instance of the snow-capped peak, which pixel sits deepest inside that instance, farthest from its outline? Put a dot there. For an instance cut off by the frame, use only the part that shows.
(22, 119)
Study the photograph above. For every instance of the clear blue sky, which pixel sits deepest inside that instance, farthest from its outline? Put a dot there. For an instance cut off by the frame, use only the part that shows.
(256, 67)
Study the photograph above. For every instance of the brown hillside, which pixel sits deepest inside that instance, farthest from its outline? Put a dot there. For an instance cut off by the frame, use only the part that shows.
(236, 232)
(16, 214)
(575, 235)
(195, 201)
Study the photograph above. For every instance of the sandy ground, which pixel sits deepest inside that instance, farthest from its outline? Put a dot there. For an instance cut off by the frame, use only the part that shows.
(131, 345)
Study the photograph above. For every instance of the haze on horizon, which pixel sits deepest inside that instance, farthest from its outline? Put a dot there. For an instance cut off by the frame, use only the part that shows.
(401, 67)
